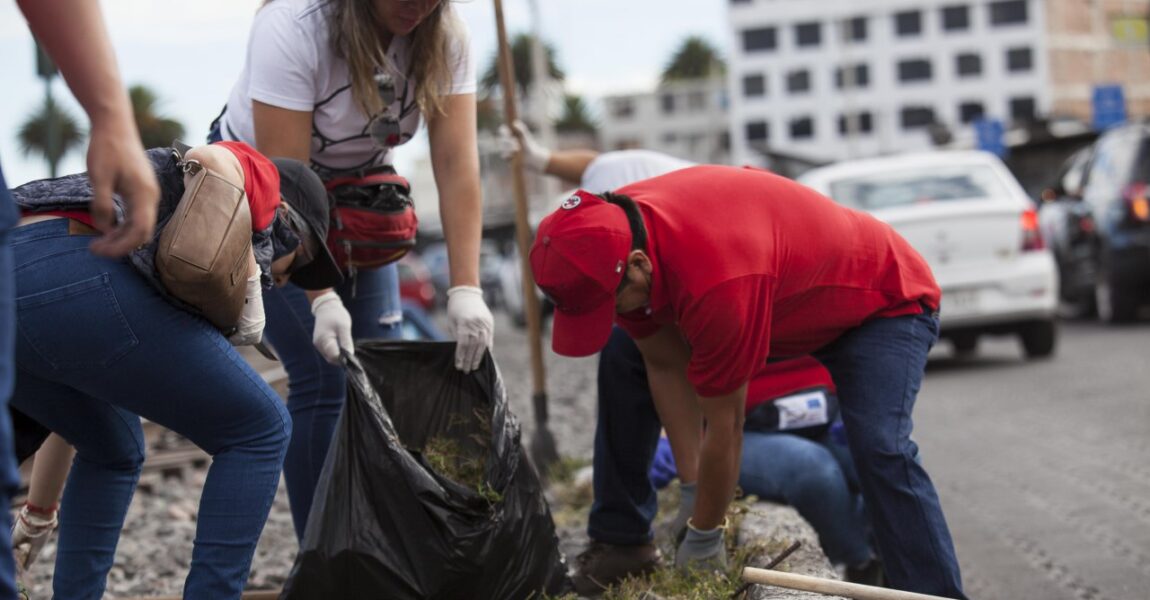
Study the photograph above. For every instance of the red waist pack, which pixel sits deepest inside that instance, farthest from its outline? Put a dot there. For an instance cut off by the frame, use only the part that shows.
(373, 219)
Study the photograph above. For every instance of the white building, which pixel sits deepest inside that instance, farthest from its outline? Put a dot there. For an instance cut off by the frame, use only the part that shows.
(687, 119)
(801, 69)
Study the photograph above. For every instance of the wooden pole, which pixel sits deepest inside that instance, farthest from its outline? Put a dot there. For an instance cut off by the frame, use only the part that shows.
(543, 445)
(260, 595)
(829, 587)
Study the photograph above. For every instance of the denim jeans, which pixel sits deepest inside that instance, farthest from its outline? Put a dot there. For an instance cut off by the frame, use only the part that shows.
(316, 389)
(9, 480)
(97, 348)
(878, 369)
(813, 476)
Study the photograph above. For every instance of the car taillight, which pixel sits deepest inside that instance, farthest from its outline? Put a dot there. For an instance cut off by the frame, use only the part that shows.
(1031, 238)
(1137, 203)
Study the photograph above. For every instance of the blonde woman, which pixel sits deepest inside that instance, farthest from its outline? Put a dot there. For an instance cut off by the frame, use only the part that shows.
(311, 90)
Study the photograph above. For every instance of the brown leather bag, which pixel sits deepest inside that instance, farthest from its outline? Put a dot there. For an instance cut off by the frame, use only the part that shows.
(203, 253)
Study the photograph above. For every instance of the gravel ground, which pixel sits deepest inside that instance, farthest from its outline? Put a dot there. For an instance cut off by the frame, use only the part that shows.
(156, 544)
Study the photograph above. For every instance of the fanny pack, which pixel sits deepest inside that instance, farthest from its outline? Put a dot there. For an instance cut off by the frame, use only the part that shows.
(202, 256)
(808, 412)
(373, 219)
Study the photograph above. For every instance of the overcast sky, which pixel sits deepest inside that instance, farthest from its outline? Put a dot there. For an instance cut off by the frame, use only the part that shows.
(190, 52)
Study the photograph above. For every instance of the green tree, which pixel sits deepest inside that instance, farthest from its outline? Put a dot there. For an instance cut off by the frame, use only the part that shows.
(696, 58)
(576, 117)
(50, 132)
(155, 130)
(521, 57)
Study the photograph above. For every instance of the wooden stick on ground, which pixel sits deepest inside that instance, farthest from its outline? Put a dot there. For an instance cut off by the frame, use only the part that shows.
(829, 587)
(256, 595)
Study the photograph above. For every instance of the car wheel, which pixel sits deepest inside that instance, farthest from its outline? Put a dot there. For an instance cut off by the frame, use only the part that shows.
(1039, 339)
(1114, 304)
(965, 344)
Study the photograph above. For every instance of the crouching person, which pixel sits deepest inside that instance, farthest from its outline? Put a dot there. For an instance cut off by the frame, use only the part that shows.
(100, 344)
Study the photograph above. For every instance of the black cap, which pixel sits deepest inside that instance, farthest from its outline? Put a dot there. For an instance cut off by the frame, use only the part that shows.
(302, 189)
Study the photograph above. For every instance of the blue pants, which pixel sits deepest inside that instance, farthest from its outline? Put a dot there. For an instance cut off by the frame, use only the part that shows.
(97, 349)
(9, 480)
(316, 389)
(814, 476)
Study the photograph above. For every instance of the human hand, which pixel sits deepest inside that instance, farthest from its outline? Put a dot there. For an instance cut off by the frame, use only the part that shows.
(250, 329)
(469, 321)
(117, 164)
(29, 534)
(535, 156)
(702, 549)
(332, 327)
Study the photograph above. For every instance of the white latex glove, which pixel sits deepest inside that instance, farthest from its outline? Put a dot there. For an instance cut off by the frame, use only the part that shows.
(332, 327)
(535, 156)
(469, 321)
(29, 534)
(250, 329)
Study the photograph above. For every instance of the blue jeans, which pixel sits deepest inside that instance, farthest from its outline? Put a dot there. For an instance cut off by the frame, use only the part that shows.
(9, 480)
(878, 369)
(814, 476)
(97, 349)
(316, 389)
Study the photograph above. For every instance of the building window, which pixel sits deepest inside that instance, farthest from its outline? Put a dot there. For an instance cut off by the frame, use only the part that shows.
(758, 40)
(863, 123)
(757, 131)
(696, 100)
(1019, 60)
(754, 86)
(802, 128)
(808, 34)
(853, 29)
(908, 23)
(914, 117)
(799, 81)
(622, 108)
(1008, 12)
(914, 70)
(967, 65)
(955, 18)
(667, 101)
(860, 72)
(670, 138)
(1022, 109)
(725, 141)
(968, 112)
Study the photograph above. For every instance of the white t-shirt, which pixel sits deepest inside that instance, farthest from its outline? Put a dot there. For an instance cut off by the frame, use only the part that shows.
(612, 170)
(290, 64)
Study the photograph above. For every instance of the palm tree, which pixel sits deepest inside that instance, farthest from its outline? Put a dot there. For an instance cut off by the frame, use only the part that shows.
(50, 132)
(696, 58)
(156, 131)
(521, 57)
(575, 117)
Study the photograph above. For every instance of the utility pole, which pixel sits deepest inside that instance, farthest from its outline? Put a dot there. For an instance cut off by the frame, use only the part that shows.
(46, 70)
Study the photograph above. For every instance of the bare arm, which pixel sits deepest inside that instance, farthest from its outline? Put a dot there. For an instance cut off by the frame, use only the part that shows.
(50, 471)
(73, 33)
(666, 355)
(569, 165)
(719, 457)
(455, 161)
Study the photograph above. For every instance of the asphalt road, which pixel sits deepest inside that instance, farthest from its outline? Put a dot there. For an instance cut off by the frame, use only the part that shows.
(1044, 467)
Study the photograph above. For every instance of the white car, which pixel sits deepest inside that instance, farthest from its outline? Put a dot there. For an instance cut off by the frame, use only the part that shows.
(971, 220)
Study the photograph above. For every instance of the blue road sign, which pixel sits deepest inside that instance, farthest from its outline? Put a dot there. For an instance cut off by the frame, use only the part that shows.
(988, 133)
(1109, 106)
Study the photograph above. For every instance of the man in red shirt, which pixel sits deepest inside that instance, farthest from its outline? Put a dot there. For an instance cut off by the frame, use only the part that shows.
(713, 269)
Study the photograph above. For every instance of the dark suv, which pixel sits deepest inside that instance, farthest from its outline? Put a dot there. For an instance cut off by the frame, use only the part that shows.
(1099, 225)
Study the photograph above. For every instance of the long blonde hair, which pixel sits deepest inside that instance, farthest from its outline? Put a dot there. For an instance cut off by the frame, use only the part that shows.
(354, 33)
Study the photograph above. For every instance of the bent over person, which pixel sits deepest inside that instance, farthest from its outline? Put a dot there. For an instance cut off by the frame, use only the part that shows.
(714, 269)
(100, 343)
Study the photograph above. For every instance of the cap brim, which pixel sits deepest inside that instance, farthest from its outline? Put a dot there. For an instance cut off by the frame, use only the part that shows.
(321, 273)
(583, 334)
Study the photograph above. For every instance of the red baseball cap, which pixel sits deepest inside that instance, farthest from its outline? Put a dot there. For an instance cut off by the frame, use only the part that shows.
(578, 259)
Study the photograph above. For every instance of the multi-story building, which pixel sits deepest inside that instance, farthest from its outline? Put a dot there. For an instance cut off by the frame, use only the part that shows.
(681, 118)
(834, 79)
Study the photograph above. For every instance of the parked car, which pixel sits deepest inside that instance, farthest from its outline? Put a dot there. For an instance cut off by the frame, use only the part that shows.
(974, 224)
(1112, 198)
(1068, 228)
(415, 284)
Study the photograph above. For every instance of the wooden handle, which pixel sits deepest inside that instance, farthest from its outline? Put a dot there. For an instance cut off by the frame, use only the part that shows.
(829, 587)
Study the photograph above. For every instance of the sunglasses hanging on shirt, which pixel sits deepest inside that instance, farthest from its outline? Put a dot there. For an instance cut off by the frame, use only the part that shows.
(384, 127)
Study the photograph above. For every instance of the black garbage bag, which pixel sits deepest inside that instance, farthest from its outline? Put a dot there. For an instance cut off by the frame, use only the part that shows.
(386, 525)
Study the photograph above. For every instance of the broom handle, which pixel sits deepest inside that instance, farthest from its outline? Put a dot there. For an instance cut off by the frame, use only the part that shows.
(829, 587)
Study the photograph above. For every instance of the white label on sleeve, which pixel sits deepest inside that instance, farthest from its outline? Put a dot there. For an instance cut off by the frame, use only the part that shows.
(805, 409)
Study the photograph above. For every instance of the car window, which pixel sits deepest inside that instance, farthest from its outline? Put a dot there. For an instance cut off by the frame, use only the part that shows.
(1110, 172)
(1142, 169)
(1071, 181)
(917, 186)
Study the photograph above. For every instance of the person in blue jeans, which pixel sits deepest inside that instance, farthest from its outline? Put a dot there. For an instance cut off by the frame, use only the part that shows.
(100, 344)
(788, 456)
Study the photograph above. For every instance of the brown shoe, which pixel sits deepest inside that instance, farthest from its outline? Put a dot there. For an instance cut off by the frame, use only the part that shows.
(602, 565)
